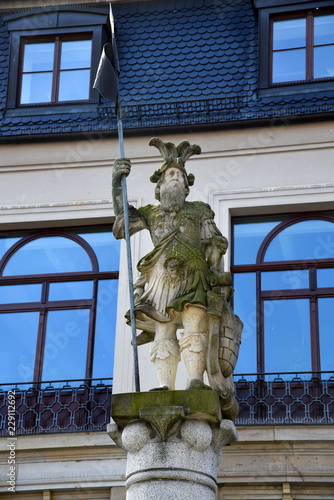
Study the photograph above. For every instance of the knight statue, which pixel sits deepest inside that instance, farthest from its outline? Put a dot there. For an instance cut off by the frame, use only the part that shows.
(182, 294)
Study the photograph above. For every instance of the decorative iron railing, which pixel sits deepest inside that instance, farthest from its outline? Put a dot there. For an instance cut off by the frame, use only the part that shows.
(287, 398)
(202, 111)
(84, 405)
(166, 113)
(62, 406)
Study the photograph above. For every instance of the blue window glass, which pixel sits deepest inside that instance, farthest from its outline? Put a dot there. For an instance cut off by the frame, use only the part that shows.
(12, 294)
(302, 48)
(46, 255)
(325, 278)
(18, 337)
(323, 46)
(74, 85)
(38, 61)
(323, 29)
(74, 77)
(287, 336)
(289, 33)
(105, 325)
(326, 307)
(72, 290)
(285, 280)
(65, 348)
(36, 88)
(248, 237)
(289, 50)
(289, 66)
(245, 308)
(6, 243)
(38, 57)
(75, 54)
(106, 248)
(311, 239)
(323, 61)
(57, 70)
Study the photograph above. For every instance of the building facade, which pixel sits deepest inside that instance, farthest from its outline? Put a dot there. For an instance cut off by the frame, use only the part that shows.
(251, 82)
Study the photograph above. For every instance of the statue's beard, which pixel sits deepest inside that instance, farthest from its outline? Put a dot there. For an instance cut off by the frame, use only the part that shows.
(172, 196)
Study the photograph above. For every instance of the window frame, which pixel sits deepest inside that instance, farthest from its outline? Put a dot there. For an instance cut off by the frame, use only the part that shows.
(313, 293)
(62, 21)
(56, 71)
(309, 46)
(272, 10)
(45, 304)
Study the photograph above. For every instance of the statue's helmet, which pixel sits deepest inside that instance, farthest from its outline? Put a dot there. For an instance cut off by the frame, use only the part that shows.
(174, 156)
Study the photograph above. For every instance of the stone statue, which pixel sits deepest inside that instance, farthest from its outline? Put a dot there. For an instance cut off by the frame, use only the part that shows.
(182, 294)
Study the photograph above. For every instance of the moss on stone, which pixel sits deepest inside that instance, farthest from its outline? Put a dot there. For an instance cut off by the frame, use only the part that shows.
(199, 404)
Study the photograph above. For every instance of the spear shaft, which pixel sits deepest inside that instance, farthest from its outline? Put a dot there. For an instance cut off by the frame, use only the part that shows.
(126, 219)
(128, 252)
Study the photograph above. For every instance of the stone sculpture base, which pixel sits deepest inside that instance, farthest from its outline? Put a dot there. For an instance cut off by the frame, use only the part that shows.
(173, 440)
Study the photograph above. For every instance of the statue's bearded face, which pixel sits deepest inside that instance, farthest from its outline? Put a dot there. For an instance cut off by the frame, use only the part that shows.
(172, 190)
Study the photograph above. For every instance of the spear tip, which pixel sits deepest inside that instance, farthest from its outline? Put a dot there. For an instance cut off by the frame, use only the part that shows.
(111, 19)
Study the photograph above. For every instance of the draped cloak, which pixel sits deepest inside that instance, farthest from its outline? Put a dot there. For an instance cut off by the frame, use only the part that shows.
(175, 272)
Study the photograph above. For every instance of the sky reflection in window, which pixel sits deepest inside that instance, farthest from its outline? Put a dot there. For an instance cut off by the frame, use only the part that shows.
(244, 307)
(106, 248)
(105, 325)
(326, 308)
(247, 240)
(18, 334)
(287, 335)
(73, 290)
(311, 239)
(66, 344)
(46, 255)
(16, 294)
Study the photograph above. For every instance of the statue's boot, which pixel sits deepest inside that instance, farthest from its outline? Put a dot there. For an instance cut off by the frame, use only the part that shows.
(165, 354)
(194, 350)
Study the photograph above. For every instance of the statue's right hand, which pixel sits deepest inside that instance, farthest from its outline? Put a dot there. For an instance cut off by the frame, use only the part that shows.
(121, 166)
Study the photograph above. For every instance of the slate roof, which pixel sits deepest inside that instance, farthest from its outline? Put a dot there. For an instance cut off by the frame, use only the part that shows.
(182, 62)
(4, 56)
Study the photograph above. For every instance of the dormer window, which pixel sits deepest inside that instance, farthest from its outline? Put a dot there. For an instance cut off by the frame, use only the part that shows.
(55, 62)
(296, 45)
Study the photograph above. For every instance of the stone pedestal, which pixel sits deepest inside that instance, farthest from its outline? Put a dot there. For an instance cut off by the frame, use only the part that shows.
(173, 441)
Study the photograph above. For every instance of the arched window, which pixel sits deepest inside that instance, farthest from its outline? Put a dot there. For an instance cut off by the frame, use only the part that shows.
(284, 279)
(58, 296)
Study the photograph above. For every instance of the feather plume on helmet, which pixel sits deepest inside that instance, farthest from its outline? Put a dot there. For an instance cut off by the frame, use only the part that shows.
(174, 156)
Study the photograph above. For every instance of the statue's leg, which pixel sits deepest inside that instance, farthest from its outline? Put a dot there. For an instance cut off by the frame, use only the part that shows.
(165, 354)
(194, 344)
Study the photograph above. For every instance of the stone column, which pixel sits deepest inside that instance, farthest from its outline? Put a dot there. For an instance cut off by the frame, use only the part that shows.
(174, 443)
